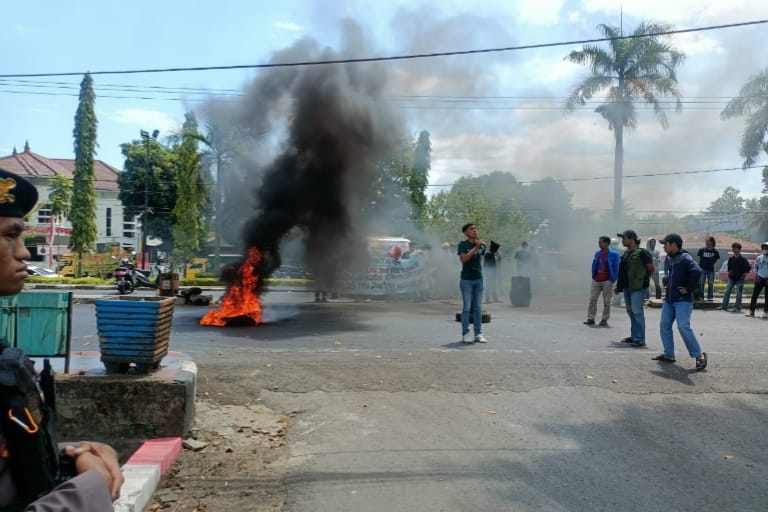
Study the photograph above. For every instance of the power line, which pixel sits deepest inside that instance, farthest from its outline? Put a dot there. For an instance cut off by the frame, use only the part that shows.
(389, 58)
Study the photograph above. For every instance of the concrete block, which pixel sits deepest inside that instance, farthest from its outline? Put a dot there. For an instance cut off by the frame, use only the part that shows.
(157, 451)
(141, 480)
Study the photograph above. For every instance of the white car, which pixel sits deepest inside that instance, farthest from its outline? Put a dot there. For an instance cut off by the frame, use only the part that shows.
(36, 271)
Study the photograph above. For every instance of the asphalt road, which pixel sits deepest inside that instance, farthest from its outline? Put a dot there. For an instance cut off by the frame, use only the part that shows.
(392, 413)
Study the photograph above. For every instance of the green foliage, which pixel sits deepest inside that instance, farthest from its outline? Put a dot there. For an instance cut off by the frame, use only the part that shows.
(729, 202)
(60, 196)
(419, 179)
(752, 102)
(160, 180)
(69, 280)
(192, 192)
(490, 201)
(83, 209)
(640, 69)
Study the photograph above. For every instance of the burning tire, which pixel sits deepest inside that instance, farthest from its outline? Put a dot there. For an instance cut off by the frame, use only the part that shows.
(486, 317)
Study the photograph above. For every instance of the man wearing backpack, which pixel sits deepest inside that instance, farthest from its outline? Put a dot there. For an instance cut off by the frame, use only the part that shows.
(28, 476)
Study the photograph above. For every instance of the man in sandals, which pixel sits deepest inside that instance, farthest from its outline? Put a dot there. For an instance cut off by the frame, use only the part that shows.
(635, 270)
(681, 279)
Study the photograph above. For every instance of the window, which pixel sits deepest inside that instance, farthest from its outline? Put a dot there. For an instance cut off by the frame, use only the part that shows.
(109, 221)
(44, 214)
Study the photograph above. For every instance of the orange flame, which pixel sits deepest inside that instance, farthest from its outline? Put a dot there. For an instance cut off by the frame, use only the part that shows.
(239, 299)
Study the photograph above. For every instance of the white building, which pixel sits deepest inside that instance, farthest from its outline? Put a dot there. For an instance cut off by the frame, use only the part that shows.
(113, 225)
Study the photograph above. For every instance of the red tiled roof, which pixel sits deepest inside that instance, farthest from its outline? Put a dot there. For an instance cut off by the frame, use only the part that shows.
(695, 241)
(32, 165)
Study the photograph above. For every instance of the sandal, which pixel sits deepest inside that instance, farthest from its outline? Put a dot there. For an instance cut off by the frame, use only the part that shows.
(701, 361)
(665, 358)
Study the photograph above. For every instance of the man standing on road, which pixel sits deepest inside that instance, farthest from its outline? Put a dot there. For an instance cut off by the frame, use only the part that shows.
(471, 252)
(681, 279)
(708, 258)
(98, 479)
(738, 268)
(605, 272)
(523, 259)
(635, 269)
(650, 246)
(761, 281)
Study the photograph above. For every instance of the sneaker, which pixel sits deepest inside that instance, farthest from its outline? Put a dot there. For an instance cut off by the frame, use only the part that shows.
(589, 321)
(603, 323)
(480, 339)
(701, 361)
(736, 310)
(765, 316)
(751, 313)
(627, 340)
(465, 339)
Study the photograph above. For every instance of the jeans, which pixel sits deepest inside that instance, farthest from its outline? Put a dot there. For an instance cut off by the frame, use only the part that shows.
(634, 301)
(680, 311)
(598, 288)
(760, 285)
(727, 296)
(472, 299)
(708, 278)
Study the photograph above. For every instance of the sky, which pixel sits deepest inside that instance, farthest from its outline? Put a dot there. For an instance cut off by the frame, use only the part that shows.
(517, 125)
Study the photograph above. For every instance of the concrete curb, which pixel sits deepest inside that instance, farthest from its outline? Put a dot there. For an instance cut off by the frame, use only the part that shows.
(143, 472)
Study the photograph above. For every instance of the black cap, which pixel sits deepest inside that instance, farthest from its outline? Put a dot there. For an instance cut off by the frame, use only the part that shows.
(17, 195)
(673, 238)
(628, 234)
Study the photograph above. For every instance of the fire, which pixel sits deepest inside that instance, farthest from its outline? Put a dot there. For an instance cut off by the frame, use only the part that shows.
(239, 299)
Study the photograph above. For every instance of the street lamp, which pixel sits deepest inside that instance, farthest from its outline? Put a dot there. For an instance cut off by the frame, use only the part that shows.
(144, 252)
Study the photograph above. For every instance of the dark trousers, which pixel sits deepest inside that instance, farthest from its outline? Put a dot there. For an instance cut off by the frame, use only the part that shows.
(760, 286)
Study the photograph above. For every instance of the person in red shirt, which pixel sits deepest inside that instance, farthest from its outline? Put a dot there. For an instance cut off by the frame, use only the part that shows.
(605, 272)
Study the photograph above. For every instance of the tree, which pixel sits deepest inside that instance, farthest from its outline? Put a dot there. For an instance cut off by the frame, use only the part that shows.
(419, 179)
(752, 101)
(83, 210)
(192, 192)
(60, 199)
(161, 181)
(638, 69)
(758, 209)
(729, 202)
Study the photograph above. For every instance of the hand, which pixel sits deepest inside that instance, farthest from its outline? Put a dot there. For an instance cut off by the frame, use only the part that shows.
(682, 289)
(478, 242)
(616, 291)
(106, 462)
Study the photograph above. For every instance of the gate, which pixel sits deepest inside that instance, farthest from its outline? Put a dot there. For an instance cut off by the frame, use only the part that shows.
(39, 323)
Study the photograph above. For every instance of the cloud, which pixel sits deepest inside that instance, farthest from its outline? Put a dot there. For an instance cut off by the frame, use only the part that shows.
(686, 12)
(145, 119)
(539, 12)
(288, 25)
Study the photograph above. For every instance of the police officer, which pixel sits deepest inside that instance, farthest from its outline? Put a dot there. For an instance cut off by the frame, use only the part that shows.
(98, 478)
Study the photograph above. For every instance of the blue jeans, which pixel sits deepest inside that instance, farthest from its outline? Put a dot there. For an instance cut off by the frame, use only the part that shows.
(680, 311)
(727, 296)
(708, 278)
(634, 301)
(472, 299)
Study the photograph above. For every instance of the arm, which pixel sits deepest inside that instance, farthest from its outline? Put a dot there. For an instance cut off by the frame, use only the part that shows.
(469, 255)
(86, 492)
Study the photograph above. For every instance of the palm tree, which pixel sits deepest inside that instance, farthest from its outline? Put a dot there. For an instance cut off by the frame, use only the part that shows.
(639, 68)
(752, 102)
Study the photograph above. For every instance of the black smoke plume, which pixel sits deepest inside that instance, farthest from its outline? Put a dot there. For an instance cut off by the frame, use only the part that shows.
(337, 126)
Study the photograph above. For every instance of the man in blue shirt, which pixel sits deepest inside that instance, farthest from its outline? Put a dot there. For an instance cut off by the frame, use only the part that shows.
(681, 279)
(605, 272)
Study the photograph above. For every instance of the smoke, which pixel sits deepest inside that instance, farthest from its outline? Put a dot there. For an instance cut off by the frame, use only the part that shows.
(331, 127)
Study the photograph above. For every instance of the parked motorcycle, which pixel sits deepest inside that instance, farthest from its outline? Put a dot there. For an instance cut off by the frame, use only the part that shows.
(124, 279)
(128, 278)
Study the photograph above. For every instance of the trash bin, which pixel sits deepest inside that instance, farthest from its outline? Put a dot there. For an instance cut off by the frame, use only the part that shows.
(133, 330)
(168, 284)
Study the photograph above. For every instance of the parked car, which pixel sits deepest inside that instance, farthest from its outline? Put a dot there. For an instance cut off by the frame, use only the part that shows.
(722, 274)
(36, 271)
